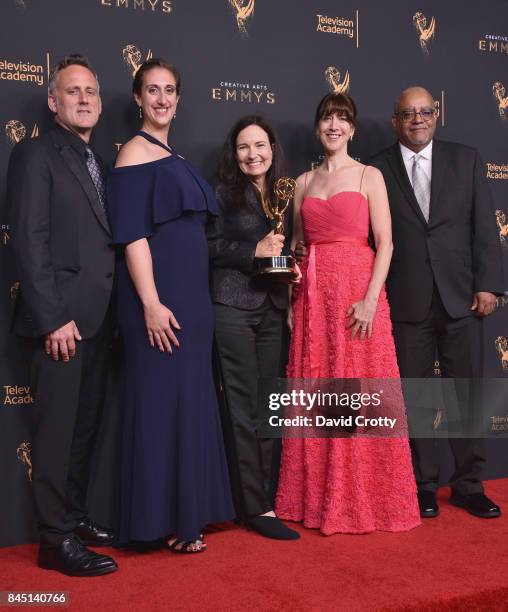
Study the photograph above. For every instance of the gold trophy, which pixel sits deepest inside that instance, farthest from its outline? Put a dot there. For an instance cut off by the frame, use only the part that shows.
(281, 266)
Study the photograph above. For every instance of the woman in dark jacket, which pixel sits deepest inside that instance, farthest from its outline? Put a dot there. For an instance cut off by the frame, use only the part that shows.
(249, 314)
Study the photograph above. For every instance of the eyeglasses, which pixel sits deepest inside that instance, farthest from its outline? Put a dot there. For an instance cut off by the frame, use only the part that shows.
(410, 114)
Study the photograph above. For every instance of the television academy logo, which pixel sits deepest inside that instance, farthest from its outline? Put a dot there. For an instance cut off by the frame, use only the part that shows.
(501, 345)
(502, 227)
(497, 172)
(499, 423)
(132, 57)
(23, 453)
(23, 71)
(499, 91)
(332, 75)
(16, 131)
(340, 26)
(425, 33)
(242, 12)
(16, 395)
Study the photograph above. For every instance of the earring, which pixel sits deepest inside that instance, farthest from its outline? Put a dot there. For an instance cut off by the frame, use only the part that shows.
(351, 138)
(140, 113)
(174, 115)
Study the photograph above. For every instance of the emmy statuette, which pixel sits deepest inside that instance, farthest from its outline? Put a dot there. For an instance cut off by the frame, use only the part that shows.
(281, 266)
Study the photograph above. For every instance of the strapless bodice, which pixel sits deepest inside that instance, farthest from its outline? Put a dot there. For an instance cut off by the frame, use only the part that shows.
(344, 214)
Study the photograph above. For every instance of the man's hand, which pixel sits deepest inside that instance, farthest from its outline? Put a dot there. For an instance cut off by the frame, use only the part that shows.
(484, 303)
(62, 341)
(300, 251)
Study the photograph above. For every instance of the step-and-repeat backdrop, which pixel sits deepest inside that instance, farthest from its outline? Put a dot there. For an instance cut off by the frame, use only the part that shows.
(240, 57)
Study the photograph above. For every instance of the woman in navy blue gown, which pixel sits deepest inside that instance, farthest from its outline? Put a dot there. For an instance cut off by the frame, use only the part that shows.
(174, 472)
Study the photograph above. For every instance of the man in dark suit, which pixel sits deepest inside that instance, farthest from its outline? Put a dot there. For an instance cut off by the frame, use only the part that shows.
(446, 268)
(65, 264)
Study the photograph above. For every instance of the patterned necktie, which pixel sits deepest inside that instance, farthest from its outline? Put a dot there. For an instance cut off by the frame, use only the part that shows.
(96, 175)
(421, 186)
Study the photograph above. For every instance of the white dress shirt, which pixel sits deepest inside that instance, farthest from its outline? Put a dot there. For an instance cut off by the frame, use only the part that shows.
(425, 160)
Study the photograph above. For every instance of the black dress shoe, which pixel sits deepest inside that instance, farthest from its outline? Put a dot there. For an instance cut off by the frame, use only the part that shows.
(92, 534)
(428, 504)
(477, 504)
(271, 527)
(74, 559)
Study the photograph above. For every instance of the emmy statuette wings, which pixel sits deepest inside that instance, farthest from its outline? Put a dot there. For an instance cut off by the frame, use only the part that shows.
(281, 266)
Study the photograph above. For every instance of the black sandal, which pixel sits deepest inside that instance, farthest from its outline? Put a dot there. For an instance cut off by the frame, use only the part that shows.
(184, 546)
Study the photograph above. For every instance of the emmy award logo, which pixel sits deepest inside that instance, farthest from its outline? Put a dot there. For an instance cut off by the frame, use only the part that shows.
(14, 290)
(133, 58)
(282, 266)
(23, 454)
(16, 131)
(242, 12)
(438, 419)
(502, 226)
(498, 91)
(502, 348)
(332, 75)
(425, 34)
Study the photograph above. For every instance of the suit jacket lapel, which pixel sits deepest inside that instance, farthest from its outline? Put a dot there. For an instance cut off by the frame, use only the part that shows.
(253, 201)
(399, 170)
(439, 169)
(80, 172)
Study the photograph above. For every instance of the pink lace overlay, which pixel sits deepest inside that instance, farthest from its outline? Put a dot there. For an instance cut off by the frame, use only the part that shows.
(342, 485)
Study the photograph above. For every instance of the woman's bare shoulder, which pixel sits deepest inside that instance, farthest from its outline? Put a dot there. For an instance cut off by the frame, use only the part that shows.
(372, 174)
(134, 152)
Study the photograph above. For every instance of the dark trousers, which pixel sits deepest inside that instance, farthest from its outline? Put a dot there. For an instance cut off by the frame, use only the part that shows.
(68, 403)
(457, 344)
(248, 344)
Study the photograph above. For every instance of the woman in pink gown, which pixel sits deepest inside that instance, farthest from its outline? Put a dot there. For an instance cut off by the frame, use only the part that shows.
(341, 328)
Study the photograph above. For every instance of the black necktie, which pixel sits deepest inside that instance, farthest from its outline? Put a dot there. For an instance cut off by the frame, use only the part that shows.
(96, 175)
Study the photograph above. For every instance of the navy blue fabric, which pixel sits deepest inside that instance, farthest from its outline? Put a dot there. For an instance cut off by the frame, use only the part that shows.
(174, 472)
(154, 193)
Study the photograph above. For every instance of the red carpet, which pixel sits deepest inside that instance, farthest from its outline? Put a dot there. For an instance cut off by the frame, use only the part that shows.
(454, 562)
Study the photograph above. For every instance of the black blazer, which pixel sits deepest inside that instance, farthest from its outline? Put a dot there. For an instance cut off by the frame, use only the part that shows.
(458, 249)
(232, 240)
(61, 237)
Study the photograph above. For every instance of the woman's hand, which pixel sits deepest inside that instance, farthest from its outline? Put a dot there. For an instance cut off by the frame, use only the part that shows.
(159, 321)
(360, 317)
(270, 246)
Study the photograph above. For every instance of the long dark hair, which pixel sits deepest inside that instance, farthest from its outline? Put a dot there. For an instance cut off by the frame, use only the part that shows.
(230, 176)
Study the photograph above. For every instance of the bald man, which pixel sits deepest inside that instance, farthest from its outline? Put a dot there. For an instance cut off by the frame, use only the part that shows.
(445, 274)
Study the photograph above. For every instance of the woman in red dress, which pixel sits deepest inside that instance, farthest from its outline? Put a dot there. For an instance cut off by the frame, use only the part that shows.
(341, 328)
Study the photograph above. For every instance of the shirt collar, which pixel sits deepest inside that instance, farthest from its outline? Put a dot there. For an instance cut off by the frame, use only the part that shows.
(407, 154)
